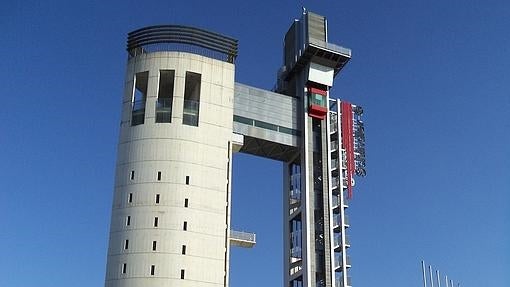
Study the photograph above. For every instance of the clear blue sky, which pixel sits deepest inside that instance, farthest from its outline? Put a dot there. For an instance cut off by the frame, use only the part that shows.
(433, 77)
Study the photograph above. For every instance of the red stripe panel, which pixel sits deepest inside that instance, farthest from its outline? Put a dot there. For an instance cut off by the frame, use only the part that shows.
(348, 142)
(317, 91)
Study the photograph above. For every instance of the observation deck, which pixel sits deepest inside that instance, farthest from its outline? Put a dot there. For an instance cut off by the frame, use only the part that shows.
(182, 39)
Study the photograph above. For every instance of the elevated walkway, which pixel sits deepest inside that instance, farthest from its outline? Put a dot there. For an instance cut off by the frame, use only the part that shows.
(268, 122)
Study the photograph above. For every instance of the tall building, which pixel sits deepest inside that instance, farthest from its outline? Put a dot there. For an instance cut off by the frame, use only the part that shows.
(183, 117)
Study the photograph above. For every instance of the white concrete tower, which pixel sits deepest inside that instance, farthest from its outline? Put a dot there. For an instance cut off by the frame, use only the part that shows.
(170, 214)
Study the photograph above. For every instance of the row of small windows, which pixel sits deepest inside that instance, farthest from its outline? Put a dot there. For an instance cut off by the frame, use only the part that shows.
(157, 199)
(164, 102)
(152, 270)
(154, 246)
(156, 222)
(132, 176)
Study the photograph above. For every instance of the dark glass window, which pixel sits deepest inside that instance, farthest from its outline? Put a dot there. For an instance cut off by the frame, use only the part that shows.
(139, 98)
(165, 96)
(191, 99)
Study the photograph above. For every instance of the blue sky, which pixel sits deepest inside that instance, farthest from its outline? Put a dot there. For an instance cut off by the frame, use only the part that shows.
(433, 78)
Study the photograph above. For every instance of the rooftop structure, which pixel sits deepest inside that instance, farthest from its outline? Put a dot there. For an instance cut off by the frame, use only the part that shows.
(183, 118)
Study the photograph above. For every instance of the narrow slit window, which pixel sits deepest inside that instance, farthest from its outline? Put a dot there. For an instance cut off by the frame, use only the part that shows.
(153, 269)
(186, 202)
(139, 98)
(126, 244)
(182, 273)
(157, 198)
(132, 175)
(156, 221)
(187, 179)
(185, 226)
(154, 245)
(183, 250)
(159, 175)
(124, 268)
(128, 220)
(130, 197)
(191, 99)
(165, 96)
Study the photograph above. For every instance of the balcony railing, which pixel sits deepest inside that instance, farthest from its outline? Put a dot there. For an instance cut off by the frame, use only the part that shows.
(339, 282)
(337, 240)
(296, 252)
(338, 260)
(138, 113)
(164, 110)
(191, 111)
(242, 239)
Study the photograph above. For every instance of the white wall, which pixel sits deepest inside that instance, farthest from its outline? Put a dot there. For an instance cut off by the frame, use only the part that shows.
(177, 151)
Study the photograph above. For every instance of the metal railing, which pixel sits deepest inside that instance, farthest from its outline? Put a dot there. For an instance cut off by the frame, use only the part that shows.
(331, 47)
(138, 112)
(138, 105)
(244, 236)
(339, 282)
(190, 112)
(296, 252)
(164, 110)
(338, 260)
(181, 38)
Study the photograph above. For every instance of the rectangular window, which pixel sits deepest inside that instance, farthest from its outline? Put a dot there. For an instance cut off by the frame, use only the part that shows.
(157, 198)
(153, 269)
(130, 197)
(139, 98)
(128, 220)
(187, 179)
(132, 175)
(159, 175)
(186, 202)
(182, 273)
(191, 99)
(126, 244)
(156, 220)
(165, 96)
(154, 245)
(124, 268)
(184, 250)
(185, 226)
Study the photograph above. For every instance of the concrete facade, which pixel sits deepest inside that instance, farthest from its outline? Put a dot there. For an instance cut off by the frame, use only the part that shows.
(186, 167)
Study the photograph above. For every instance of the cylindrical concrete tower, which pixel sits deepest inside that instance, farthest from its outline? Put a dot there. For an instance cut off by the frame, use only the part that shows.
(170, 214)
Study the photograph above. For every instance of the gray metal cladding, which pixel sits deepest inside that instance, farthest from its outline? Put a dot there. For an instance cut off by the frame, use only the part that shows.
(265, 106)
(316, 27)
